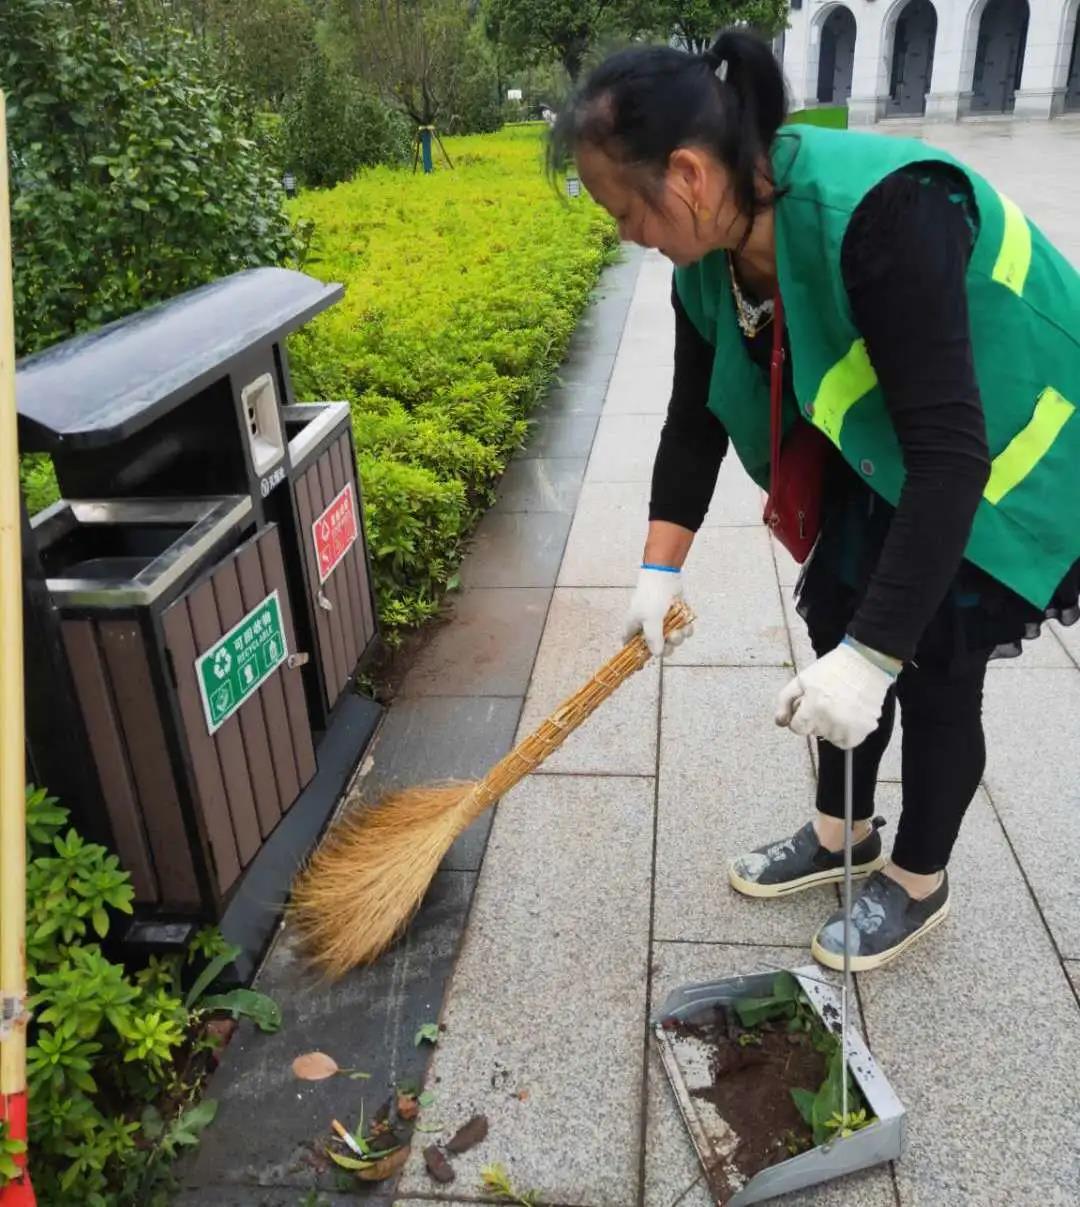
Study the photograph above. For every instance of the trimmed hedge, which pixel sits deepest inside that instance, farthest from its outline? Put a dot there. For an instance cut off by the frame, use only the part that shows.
(462, 290)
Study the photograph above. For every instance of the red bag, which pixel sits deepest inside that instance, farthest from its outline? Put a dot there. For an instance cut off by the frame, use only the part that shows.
(797, 471)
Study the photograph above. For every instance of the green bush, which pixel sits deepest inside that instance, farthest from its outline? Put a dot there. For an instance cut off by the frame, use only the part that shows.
(462, 291)
(135, 176)
(111, 1055)
(333, 126)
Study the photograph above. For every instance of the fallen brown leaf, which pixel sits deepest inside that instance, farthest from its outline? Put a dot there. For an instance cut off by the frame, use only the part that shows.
(469, 1135)
(384, 1167)
(437, 1164)
(523, 1095)
(314, 1066)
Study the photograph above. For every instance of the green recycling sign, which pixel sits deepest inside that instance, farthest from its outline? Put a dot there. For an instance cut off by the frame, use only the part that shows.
(235, 666)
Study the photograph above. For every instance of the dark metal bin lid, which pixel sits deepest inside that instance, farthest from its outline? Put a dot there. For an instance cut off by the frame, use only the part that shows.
(101, 387)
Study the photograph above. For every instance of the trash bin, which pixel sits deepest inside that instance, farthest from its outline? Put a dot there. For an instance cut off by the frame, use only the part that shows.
(169, 593)
(329, 535)
(136, 641)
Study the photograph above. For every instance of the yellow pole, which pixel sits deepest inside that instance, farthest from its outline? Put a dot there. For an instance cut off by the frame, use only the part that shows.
(12, 747)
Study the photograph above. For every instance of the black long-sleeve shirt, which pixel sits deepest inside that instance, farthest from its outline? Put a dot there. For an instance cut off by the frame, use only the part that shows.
(903, 261)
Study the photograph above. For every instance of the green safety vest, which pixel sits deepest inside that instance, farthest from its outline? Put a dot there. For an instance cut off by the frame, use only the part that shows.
(1024, 306)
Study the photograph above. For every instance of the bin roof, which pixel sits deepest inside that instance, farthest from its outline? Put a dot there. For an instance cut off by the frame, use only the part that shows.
(98, 388)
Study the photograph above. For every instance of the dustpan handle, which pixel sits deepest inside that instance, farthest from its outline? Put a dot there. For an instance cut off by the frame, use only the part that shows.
(849, 792)
(552, 732)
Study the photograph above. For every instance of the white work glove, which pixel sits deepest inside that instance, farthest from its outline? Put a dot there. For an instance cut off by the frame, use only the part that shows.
(838, 698)
(656, 591)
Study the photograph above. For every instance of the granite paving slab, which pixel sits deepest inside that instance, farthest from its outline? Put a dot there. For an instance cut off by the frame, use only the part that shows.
(487, 647)
(562, 434)
(1072, 971)
(731, 585)
(736, 499)
(545, 1017)
(638, 389)
(730, 780)
(611, 522)
(624, 448)
(540, 484)
(978, 1031)
(1046, 652)
(1069, 636)
(672, 1171)
(607, 536)
(427, 739)
(787, 568)
(1033, 775)
(583, 366)
(516, 549)
(584, 629)
(573, 401)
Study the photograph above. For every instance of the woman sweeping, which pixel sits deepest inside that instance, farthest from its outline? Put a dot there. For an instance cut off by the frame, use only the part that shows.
(923, 341)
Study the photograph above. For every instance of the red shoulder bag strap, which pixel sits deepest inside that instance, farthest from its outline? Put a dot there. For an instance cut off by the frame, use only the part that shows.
(776, 392)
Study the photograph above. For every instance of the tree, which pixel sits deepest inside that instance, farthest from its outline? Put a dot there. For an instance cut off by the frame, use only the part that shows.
(695, 23)
(415, 52)
(537, 30)
(134, 172)
(333, 126)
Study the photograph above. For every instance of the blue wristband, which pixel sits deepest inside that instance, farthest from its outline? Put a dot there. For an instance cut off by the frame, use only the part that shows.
(662, 569)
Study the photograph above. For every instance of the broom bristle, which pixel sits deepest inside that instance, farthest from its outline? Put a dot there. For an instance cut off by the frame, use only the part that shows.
(364, 883)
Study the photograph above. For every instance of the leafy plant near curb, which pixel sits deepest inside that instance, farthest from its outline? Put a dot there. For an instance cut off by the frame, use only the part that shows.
(820, 1108)
(462, 291)
(9, 1150)
(115, 1061)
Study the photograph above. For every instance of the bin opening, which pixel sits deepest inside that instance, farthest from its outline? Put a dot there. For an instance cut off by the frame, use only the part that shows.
(128, 552)
(108, 550)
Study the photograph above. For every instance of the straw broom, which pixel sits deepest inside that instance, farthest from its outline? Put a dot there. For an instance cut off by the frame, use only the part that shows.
(367, 879)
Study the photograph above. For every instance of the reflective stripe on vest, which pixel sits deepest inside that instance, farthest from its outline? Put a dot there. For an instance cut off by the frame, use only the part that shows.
(842, 386)
(1028, 447)
(1014, 255)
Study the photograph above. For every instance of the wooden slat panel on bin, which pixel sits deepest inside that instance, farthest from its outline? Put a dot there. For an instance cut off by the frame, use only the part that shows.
(322, 620)
(320, 500)
(106, 742)
(273, 569)
(253, 591)
(207, 628)
(143, 728)
(250, 714)
(356, 558)
(349, 624)
(347, 570)
(209, 786)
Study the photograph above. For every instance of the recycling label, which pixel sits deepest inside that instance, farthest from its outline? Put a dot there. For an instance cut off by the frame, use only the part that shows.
(335, 532)
(234, 667)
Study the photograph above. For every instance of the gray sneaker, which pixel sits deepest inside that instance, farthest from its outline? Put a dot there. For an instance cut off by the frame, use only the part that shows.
(884, 922)
(800, 862)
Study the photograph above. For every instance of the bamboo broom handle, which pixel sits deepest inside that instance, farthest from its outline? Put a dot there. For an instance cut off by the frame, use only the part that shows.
(12, 749)
(559, 725)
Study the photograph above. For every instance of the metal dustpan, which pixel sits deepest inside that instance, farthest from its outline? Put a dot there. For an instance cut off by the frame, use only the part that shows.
(686, 1059)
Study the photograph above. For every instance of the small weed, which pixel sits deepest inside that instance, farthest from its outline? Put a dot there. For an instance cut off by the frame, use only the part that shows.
(497, 1180)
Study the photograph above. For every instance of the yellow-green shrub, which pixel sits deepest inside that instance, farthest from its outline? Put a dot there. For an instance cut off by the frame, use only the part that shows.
(462, 290)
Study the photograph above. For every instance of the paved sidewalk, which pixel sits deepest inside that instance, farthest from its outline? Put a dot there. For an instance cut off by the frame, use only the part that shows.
(602, 886)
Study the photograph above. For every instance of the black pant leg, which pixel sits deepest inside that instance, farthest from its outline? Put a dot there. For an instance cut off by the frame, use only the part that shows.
(943, 758)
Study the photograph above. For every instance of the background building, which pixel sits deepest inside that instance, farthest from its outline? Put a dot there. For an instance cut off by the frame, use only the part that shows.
(942, 58)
